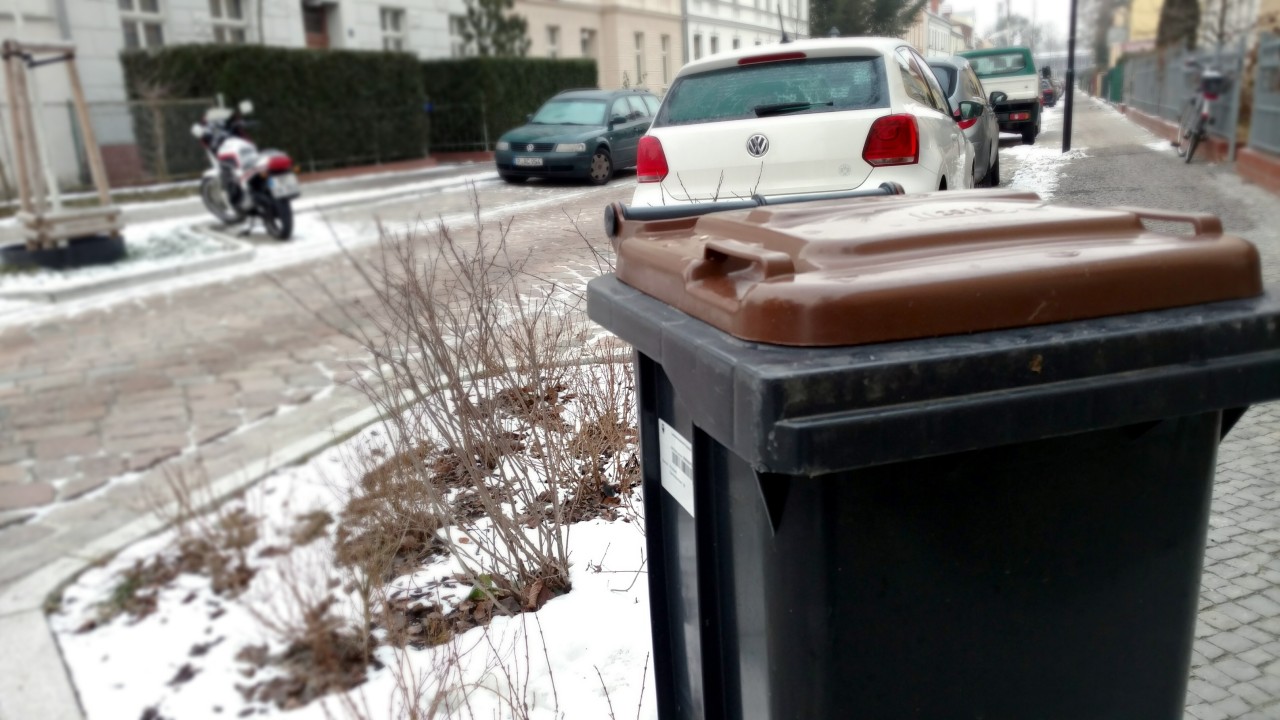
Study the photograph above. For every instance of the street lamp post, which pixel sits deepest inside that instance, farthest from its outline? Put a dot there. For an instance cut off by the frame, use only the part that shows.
(1070, 80)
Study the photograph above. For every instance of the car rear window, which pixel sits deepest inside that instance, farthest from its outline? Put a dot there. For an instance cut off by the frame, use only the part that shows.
(1010, 63)
(734, 93)
(570, 112)
(947, 76)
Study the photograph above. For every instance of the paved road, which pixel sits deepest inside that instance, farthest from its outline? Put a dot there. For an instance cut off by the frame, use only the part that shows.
(84, 398)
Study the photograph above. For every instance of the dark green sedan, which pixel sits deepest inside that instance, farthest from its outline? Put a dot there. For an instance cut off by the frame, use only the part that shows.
(578, 134)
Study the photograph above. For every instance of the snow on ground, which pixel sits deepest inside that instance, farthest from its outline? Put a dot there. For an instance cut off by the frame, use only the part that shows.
(182, 659)
(150, 246)
(316, 235)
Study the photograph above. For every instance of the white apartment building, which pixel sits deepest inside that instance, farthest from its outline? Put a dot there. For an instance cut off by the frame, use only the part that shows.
(643, 43)
(101, 29)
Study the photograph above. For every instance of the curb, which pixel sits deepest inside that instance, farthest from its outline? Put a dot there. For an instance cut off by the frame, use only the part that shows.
(35, 683)
(241, 252)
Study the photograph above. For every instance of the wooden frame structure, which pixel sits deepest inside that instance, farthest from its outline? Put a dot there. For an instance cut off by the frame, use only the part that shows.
(45, 222)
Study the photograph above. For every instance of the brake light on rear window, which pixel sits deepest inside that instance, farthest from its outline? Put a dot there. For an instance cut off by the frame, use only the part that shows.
(893, 140)
(651, 161)
(774, 57)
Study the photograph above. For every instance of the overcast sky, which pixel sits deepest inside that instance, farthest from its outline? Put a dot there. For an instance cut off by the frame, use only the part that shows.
(1052, 14)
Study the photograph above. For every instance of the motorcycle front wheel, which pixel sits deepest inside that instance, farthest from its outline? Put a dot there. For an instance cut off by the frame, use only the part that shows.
(279, 220)
(215, 201)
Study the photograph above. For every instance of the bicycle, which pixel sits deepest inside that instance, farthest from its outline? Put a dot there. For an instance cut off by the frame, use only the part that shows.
(1197, 115)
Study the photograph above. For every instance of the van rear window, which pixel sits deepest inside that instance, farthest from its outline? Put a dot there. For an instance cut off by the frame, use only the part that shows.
(792, 87)
(1010, 63)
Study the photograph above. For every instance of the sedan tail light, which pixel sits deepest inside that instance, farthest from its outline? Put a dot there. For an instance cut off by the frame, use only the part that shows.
(893, 140)
(966, 124)
(651, 161)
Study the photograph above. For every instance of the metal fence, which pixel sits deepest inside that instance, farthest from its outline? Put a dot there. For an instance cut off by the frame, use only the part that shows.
(1264, 127)
(1164, 84)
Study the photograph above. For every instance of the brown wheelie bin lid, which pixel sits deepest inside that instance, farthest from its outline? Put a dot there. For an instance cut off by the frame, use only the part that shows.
(850, 272)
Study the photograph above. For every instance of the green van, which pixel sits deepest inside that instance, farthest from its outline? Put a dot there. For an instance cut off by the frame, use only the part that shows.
(1012, 71)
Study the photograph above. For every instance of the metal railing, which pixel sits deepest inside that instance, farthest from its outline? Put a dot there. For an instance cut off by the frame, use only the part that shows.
(1163, 84)
(1264, 127)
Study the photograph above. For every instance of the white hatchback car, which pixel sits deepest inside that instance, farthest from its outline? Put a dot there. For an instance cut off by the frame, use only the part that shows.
(809, 116)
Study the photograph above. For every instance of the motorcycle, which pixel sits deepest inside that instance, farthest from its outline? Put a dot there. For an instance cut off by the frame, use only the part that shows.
(243, 182)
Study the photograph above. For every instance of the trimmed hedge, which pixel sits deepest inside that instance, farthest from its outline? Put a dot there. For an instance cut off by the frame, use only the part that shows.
(325, 108)
(469, 95)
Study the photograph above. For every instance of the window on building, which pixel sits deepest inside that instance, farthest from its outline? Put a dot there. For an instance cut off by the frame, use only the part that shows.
(737, 43)
(229, 22)
(697, 47)
(666, 49)
(457, 43)
(588, 43)
(639, 58)
(715, 44)
(553, 41)
(392, 29)
(142, 22)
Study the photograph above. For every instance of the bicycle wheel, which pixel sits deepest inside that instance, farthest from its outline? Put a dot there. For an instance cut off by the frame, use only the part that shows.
(1194, 139)
(1185, 126)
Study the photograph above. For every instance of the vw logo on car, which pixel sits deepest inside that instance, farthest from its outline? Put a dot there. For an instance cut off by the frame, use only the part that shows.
(757, 145)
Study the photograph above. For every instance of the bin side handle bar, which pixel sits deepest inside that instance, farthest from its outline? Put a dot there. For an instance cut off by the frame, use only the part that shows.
(1204, 223)
(615, 213)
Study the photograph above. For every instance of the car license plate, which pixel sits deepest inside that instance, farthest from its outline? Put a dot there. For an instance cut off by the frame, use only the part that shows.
(529, 161)
(284, 185)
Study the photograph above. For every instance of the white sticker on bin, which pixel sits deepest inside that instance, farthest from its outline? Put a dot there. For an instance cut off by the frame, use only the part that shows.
(677, 465)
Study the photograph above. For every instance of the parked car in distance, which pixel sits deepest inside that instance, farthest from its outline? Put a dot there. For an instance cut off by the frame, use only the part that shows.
(974, 111)
(1011, 71)
(587, 134)
(808, 116)
(1048, 93)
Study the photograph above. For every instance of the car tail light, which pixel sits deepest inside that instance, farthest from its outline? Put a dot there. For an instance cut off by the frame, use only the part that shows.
(774, 57)
(966, 124)
(1210, 96)
(893, 140)
(1019, 116)
(651, 161)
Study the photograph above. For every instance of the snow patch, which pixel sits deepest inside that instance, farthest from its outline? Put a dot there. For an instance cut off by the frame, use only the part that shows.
(1041, 168)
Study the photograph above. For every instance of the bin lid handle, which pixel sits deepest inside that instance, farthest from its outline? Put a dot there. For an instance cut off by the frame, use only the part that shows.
(1204, 223)
(722, 257)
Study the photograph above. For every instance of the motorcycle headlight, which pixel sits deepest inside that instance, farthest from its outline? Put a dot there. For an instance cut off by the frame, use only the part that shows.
(503, 145)
(571, 147)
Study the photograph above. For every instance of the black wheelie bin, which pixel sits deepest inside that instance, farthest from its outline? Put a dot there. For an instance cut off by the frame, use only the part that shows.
(933, 456)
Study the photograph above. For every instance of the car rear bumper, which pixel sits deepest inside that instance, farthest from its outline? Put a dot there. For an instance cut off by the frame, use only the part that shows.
(553, 164)
(1005, 114)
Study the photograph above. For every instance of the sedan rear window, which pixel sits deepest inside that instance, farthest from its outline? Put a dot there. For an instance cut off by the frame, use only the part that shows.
(779, 88)
(570, 112)
(947, 77)
(1011, 63)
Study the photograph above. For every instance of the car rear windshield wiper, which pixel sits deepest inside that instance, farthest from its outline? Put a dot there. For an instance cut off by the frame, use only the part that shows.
(780, 108)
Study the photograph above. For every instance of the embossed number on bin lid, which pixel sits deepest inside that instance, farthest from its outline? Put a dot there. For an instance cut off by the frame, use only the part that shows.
(871, 270)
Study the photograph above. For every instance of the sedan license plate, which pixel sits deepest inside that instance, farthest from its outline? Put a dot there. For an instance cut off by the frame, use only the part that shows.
(529, 161)
(284, 185)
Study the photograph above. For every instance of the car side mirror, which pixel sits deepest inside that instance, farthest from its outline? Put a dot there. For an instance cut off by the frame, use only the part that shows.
(970, 110)
(998, 98)
(617, 120)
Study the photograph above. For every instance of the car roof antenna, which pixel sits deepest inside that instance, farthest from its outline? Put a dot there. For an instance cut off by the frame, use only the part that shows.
(782, 26)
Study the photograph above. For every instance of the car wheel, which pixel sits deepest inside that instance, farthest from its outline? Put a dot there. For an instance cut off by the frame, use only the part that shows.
(1029, 136)
(514, 179)
(601, 167)
(993, 174)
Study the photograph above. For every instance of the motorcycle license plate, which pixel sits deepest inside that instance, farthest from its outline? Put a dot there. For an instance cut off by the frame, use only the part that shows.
(284, 185)
(529, 161)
